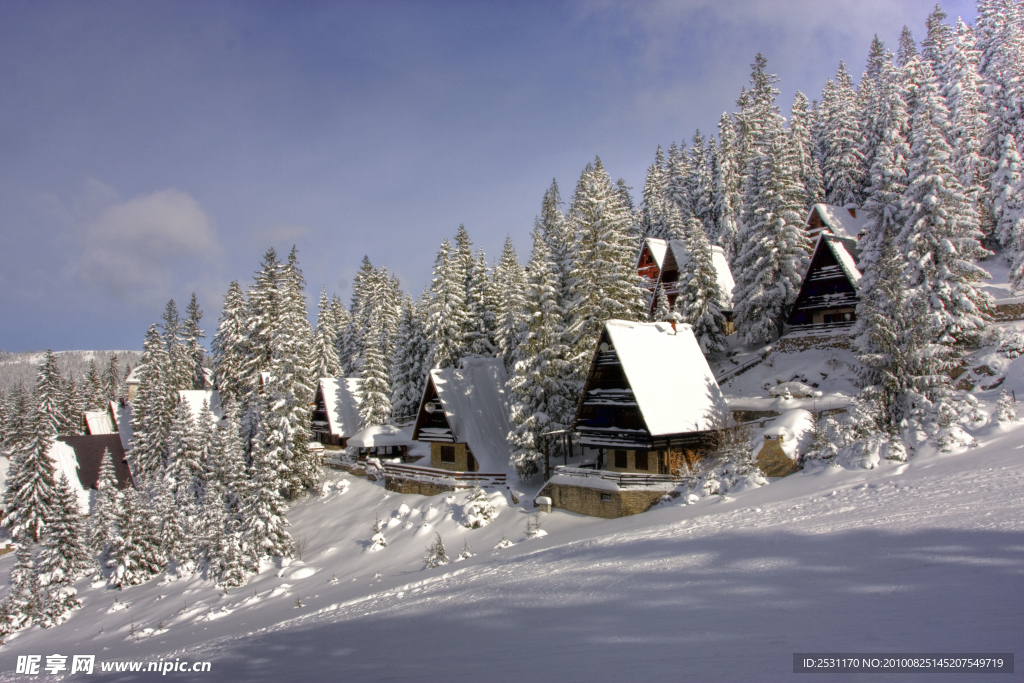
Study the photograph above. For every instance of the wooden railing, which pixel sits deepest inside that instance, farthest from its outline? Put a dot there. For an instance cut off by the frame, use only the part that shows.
(740, 369)
(622, 479)
(458, 479)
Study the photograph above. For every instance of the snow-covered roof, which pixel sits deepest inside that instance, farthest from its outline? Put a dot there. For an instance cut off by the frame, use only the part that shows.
(341, 398)
(476, 405)
(101, 421)
(840, 247)
(382, 435)
(670, 378)
(66, 462)
(658, 247)
(725, 280)
(133, 376)
(195, 397)
(839, 220)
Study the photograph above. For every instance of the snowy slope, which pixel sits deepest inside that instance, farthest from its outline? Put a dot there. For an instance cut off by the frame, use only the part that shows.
(924, 557)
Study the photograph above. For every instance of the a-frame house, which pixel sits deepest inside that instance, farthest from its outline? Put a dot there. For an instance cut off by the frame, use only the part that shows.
(830, 291)
(659, 265)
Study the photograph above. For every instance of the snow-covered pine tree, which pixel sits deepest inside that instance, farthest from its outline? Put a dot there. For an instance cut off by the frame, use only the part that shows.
(677, 173)
(112, 379)
(152, 411)
(341, 319)
(350, 344)
(605, 283)
(29, 496)
(230, 347)
(701, 184)
(962, 88)
(727, 189)
(1006, 410)
(662, 310)
(95, 396)
(652, 209)
(134, 555)
(50, 395)
(63, 557)
(262, 318)
(936, 43)
(447, 314)
(801, 144)
(21, 606)
(940, 236)
(374, 401)
(411, 360)
(508, 285)
(262, 510)
(699, 300)
(480, 304)
(436, 556)
(324, 338)
(907, 49)
(179, 362)
(103, 520)
(773, 258)
(227, 459)
(541, 385)
(194, 352)
(72, 407)
(842, 161)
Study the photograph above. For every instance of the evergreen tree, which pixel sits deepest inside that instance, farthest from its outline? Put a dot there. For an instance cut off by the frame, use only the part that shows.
(63, 558)
(95, 396)
(727, 189)
(21, 606)
(508, 286)
(50, 396)
(374, 401)
(263, 318)
(328, 364)
(112, 379)
(230, 347)
(411, 360)
(1006, 410)
(842, 160)
(801, 145)
(447, 314)
(179, 361)
(196, 355)
(262, 510)
(652, 209)
(940, 36)
(699, 297)
(940, 234)
(103, 520)
(341, 319)
(604, 280)
(72, 407)
(662, 310)
(774, 252)
(907, 49)
(480, 307)
(29, 497)
(152, 410)
(134, 555)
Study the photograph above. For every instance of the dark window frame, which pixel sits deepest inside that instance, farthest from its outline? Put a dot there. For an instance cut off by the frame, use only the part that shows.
(448, 454)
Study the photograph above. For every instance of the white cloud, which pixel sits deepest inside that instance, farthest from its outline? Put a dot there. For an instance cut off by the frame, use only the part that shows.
(139, 250)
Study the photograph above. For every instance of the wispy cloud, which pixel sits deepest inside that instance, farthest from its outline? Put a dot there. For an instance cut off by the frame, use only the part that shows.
(138, 250)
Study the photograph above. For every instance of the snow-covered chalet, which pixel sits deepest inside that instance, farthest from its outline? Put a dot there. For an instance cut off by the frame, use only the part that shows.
(649, 403)
(660, 262)
(336, 410)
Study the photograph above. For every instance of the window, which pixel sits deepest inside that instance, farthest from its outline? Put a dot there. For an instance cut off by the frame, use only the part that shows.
(606, 497)
(641, 460)
(620, 460)
(447, 453)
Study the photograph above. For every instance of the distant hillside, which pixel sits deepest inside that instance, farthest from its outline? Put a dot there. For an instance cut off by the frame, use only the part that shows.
(22, 367)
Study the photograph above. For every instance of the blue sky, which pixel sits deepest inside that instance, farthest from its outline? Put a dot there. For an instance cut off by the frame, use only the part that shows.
(149, 150)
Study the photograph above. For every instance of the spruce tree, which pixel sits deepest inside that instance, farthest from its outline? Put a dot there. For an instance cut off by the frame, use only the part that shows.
(652, 209)
(103, 520)
(699, 300)
(21, 607)
(842, 161)
(801, 146)
(112, 379)
(480, 307)
(447, 314)
(194, 352)
(262, 510)
(374, 401)
(411, 360)
(326, 332)
(134, 555)
(508, 285)
(727, 189)
(936, 44)
(50, 396)
(30, 493)
(152, 411)
(63, 558)
(180, 369)
(940, 236)
(230, 347)
(605, 283)
(95, 396)
(907, 49)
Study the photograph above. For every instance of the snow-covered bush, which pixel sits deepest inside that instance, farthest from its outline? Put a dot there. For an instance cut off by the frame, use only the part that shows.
(1006, 410)
(503, 543)
(480, 510)
(732, 468)
(377, 539)
(533, 529)
(436, 554)
(465, 554)
(1011, 342)
(793, 390)
(866, 453)
(938, 414)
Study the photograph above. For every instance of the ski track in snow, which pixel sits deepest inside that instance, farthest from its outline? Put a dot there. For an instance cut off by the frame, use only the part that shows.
(926, 556)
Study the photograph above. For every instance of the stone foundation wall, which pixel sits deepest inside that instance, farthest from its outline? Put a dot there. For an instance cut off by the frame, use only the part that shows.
(423, 488)
(1005, 312)
(586, 501)
(834, 340)
(461, 463)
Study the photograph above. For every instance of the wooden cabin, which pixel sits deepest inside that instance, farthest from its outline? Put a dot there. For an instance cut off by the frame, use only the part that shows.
(660, 262)
(336, 410)
(464, 417)
(649, 404)
(829, 293)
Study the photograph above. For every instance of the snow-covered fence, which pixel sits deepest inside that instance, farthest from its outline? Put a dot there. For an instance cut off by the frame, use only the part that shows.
(621, 479)
(445, 477)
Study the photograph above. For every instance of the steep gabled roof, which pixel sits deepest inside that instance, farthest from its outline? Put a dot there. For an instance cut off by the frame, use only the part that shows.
(79, 458)
(726, 284)
(99, 422)
(476, 407)
(341, 398)
(657, 247)
(670, 378)
(844, 249)
(838, 219)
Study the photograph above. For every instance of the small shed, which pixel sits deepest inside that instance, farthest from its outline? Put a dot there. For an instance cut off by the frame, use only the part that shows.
(336, 410)
(463, 415)
(387, 441)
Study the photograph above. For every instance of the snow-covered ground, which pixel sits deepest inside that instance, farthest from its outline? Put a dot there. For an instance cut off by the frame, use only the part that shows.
(926, 556)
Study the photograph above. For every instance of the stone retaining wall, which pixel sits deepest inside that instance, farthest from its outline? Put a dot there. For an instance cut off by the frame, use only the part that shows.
(587, 501)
